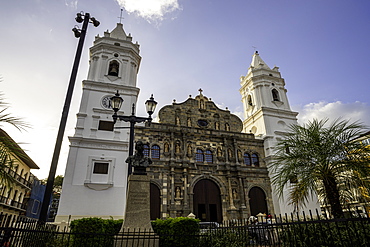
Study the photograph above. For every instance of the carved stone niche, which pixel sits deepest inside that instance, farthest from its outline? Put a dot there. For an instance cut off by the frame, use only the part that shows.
(178, 196)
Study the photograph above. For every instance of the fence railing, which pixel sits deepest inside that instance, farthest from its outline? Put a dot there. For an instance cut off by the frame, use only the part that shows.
(288, 230)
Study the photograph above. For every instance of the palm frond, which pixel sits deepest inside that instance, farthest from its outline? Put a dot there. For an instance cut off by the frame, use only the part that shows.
(319, 153)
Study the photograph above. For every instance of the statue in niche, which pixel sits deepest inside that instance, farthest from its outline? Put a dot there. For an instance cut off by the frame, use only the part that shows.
(217, 126)
(178, 193)
(177, 121)
(219, 152)
(235, 194)
(189, 122)
(177, 148)
(227, 127)
(138, 161)
(230, 153)
(239, 155)
(166, 147)
(189, 150)
(202, 104)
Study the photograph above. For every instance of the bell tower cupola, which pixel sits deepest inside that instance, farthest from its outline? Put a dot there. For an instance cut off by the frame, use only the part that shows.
(114, 58)
(268, 115)
(264, 98)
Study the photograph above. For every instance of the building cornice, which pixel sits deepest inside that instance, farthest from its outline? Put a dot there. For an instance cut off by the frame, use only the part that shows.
(100, 144)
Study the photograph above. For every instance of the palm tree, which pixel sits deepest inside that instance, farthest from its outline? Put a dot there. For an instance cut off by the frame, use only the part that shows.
(8, 147)
(325, 159)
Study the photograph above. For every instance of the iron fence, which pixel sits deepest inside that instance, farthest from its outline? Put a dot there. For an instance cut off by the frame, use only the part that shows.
(293, 230)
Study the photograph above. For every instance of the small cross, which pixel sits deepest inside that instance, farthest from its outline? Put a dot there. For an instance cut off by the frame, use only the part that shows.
(200, 91)
(120, 18)
(254, 47)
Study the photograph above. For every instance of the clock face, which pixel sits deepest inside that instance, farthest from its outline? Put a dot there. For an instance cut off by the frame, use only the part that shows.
(106, 102)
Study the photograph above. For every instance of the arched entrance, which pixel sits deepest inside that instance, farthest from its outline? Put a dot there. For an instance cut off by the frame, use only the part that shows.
(207, 201)
(155, 202)
(257, 201)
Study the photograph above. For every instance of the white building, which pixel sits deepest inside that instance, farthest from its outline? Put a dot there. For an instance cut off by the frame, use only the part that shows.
(268, 115)
(95, 179)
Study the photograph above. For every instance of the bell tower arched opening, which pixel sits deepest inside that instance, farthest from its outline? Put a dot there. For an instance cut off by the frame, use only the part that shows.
(113, 68)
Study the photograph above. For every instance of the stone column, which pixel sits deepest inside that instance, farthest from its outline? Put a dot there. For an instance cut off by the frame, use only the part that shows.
(172, 208)
(185, 195)
(235, 151)
(172, 185)
(231, 194)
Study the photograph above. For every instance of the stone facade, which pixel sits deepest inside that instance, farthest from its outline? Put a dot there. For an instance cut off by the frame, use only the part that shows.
(204, 164)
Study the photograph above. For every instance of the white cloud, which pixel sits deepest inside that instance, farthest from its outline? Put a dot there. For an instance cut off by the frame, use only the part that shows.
(356, 111)
(151, 10)
(73, 4)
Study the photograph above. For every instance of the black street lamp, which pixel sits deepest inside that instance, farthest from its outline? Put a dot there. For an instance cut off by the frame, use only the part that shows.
(79, 33)
(116, 103)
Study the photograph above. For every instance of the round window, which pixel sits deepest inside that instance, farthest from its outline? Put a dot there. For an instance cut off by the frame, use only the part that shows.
(202, 123)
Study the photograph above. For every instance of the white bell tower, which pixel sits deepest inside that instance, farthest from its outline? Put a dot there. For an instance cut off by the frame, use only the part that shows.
(267, 115)
(96, 173)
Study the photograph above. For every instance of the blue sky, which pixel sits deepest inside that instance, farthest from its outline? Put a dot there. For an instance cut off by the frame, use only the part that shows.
(321, 47)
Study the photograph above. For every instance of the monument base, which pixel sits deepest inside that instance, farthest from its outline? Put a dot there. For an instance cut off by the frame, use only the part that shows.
(136, 223)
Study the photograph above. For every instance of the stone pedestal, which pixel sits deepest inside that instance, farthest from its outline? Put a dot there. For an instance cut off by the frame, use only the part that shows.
(137, 216)
(138, 203)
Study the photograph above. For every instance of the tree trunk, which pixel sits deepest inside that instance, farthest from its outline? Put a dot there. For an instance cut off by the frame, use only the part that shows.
(332, 194)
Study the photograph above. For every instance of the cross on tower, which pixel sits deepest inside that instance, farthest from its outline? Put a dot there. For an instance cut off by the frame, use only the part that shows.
(255, 51)
(120, 17)
(200, 91)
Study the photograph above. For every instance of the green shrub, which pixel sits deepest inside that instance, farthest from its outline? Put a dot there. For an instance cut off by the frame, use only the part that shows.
(94, 232)
(222, 237)
(180, 231)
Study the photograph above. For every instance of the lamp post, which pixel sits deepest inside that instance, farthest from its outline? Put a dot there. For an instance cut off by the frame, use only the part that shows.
(79, 33)
(116, 102)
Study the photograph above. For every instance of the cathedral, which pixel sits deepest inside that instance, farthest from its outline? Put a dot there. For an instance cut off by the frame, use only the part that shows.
(203, 163)
(206, 160)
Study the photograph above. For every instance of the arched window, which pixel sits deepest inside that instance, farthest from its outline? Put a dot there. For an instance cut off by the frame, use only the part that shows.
(255, 160)
(275, 95)
(155, 152)
(113, 68)
(199, 156)
(146, 150)
(209, 156)
(247, 159)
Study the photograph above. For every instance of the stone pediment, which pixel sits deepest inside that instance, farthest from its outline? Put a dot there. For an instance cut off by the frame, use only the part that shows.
(200, 112)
